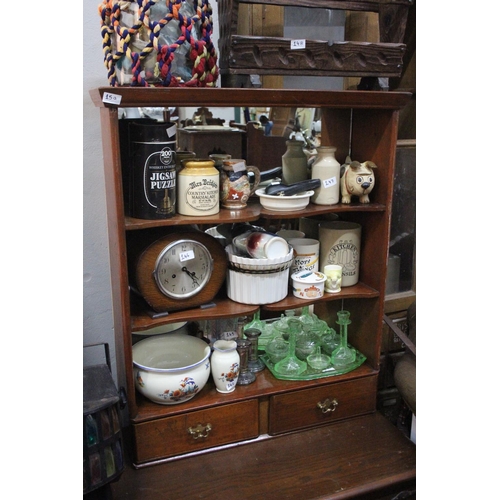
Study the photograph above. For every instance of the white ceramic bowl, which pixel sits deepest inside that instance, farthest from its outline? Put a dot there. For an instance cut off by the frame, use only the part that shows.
(171, 369)
(284, 203)
(308, 284)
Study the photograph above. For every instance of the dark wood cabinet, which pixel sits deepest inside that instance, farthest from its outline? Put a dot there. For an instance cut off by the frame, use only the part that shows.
(361, 124)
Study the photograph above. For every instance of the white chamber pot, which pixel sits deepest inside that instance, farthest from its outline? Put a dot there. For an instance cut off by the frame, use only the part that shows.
(171, 369)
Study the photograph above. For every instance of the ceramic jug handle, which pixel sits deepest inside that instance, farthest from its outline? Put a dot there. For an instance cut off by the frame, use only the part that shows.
(256, 178)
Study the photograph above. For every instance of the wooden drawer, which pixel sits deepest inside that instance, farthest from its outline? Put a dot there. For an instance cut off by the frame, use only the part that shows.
(300, 409)
(170, 436)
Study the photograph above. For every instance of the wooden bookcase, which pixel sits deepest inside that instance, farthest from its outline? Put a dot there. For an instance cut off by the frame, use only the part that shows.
(363, 124)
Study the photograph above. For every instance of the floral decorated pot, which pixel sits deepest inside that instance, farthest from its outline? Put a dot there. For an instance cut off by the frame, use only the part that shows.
(172, 368)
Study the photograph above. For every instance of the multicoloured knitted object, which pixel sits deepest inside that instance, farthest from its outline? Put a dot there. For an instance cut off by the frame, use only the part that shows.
(158, 43)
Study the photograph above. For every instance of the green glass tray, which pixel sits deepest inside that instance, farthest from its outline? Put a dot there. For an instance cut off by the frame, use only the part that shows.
(311, 374)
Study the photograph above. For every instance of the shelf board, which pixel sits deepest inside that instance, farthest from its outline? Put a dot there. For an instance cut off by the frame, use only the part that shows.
(312, 210)
(223, 97)
(358, 291)
(223, 308)
(252, 212)
(265, 385)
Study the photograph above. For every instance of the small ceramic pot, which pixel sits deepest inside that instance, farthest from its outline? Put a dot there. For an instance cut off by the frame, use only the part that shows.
(308, 285)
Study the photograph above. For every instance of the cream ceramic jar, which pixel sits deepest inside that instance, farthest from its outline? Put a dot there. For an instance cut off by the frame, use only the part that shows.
(198, 188)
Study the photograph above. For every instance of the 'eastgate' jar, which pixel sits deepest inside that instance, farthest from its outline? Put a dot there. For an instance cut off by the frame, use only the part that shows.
(198, 188)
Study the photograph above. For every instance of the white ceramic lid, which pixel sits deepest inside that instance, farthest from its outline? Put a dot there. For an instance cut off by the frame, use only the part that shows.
(308, 277)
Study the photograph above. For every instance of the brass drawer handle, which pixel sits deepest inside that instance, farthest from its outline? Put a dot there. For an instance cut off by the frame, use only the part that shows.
(328, 405)
(200, 431)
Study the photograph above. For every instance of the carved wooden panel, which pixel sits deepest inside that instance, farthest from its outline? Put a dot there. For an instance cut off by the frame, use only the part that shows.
(274, 56)
(266, 54)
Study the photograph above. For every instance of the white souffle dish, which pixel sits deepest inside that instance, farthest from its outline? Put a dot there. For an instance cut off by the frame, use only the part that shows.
(171, 369)
(257, 281)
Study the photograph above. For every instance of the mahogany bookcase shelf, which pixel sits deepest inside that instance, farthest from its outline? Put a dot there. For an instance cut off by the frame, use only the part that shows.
(361, 124)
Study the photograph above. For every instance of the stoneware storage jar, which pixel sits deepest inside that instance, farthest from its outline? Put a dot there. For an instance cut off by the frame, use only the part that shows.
(294, 163)
(326, 168)
(341, 244)
(198, 188)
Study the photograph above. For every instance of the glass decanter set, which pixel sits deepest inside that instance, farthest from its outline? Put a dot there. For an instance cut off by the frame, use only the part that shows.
(305, 345)
(296, 347)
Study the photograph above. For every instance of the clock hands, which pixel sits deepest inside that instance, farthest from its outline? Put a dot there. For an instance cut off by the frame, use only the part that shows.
(191, 275)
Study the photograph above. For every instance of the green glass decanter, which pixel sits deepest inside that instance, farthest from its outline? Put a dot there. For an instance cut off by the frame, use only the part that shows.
(291, 365)
(343, 355)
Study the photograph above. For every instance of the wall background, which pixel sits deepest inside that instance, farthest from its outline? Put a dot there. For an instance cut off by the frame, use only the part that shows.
(97, 311)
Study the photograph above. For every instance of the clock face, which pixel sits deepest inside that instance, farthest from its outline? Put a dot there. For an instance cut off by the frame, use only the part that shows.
(183, 268)
(179, 270)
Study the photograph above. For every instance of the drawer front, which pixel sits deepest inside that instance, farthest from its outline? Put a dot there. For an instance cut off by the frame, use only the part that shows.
(310, 407)
(195, 431)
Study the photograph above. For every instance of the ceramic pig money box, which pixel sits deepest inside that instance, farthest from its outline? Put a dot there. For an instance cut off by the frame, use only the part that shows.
(357, 179)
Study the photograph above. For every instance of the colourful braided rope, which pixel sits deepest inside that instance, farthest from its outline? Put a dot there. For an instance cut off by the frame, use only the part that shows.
(119, 40)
